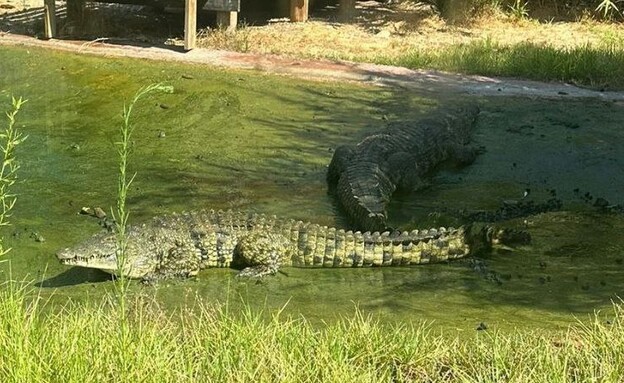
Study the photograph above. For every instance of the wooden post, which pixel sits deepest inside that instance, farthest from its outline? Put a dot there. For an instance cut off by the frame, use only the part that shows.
(347, 10)
(49, 19)
(227, 20)
(299, 10)
(190, 24)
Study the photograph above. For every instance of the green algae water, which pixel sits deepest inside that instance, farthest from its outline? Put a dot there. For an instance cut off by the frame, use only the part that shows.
(241, 140)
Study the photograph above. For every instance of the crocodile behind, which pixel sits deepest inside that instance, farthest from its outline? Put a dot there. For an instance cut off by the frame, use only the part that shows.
(364, 177)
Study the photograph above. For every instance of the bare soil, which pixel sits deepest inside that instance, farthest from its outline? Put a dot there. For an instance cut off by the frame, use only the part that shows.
(373, 27)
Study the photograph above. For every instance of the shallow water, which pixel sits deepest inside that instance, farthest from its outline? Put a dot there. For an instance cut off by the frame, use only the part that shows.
(258, 142)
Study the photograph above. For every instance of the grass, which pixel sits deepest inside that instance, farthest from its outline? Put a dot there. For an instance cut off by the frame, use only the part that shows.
(597, 63)
(213, 344)
(584, 65)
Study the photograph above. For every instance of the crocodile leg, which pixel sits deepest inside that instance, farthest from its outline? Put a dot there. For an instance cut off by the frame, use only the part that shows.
(262, 253)
(179, 260)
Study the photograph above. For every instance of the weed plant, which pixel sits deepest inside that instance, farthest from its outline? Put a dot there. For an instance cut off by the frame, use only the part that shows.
(9, 140)
(608, 9)
(519, 9)
(121, 214)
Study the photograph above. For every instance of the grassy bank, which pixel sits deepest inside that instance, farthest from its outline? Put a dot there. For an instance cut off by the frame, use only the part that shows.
(579, 50)
(78, 344)
(595, 66)
(598, 64)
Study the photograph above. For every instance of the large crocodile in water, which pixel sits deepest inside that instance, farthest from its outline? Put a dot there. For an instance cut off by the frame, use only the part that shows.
(181, 245)
(364, 177)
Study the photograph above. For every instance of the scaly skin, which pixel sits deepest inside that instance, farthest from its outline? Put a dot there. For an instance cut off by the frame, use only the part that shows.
(181, 245)
(364, 177)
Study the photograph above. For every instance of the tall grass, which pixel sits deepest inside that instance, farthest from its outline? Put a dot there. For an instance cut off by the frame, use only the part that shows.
(221, 38)
(211, 344)
(586, 65)
(608, 8)
(463, 10)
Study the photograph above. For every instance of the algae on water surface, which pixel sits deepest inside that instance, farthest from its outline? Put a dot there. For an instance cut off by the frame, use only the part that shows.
(228, 139)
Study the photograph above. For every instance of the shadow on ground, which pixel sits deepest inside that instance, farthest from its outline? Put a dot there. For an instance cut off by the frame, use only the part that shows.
(75, 276)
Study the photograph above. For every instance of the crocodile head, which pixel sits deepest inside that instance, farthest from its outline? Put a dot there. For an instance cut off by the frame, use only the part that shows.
(100, 252)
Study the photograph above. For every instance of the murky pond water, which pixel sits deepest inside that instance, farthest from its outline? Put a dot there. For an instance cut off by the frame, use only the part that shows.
(227, 139)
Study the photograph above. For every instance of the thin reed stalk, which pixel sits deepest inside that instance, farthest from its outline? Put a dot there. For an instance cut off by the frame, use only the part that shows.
(121, 214)
(10, 138)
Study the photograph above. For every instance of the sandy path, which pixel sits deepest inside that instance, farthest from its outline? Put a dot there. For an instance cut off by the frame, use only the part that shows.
(422, 80)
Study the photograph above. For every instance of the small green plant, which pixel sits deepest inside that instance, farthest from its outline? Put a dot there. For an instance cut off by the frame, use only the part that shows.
(608, 8)
(519, 9)
(9, 140)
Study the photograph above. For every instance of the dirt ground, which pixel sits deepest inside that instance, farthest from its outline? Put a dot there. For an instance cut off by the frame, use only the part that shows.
(372, 27)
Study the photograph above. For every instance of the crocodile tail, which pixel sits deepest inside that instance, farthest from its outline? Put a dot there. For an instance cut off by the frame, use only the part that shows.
(340, 161)
(318, 246)
(365, 200)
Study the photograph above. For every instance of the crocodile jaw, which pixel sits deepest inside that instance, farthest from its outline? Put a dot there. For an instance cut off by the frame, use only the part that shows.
(70, 258)
(100, 252)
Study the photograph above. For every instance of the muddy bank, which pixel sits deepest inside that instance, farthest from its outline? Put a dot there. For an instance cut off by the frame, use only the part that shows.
(416, 80)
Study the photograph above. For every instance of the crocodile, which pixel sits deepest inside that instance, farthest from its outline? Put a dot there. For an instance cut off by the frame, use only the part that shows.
(364, 177)
(180, 245)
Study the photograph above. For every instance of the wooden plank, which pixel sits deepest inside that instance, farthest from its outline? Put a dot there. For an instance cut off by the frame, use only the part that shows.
(227, 20)
(190, 24)
(299, 10)
(49, 19)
